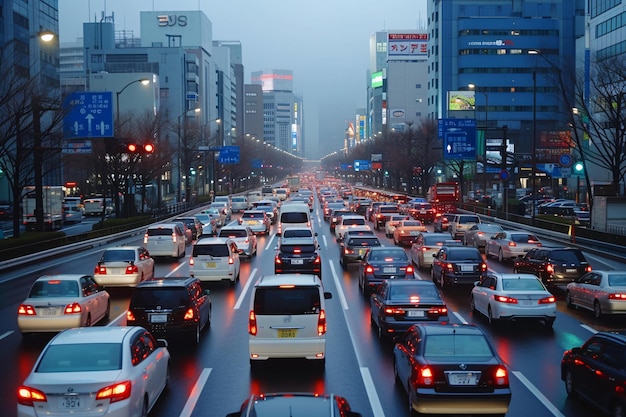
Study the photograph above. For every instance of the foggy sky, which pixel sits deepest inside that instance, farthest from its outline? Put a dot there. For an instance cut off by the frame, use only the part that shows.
(324, 42)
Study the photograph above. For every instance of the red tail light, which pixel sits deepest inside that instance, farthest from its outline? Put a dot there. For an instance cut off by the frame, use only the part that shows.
(189, 314)
(145, 238)
(501, 376)
(27, 396)
(252, 329)
(505, 299)
(424, 248)
(277, 260)
(512, 244)
(425, 377)
(483, 267)
(321, 323)
(391, 311)
(317, 260)
(588, 268)
(130, 316)
(617, 296)
(130, 269)
(369, 269)
(115, 393)
(174, 237)
(297, 251)
(450, 267)
(547, 300)
(73, 308)
(191, 262)
(438, 311)
(26, 310)
(100, 269)
(550, 269)
(231, 260)
(409, 269)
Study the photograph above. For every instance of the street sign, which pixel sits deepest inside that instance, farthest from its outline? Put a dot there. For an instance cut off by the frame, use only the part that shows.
(459, 138)
(362, 165)
(256, 163)
(566, 160)
(88, 115)
(504, 175)
(229, 155)
(76, 146)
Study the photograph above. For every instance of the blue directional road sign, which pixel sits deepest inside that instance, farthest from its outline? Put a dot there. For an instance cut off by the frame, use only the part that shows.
(362, 165)
(88, 115)
(229, 155)
(256, 163)
(459, 138)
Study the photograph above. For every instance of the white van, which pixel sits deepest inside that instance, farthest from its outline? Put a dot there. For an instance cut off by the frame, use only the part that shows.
(288, 318)
(293, 215)
(238, 203)
(215, 259)
(165, 239)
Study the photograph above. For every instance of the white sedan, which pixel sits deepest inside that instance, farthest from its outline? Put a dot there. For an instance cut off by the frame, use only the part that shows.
(109, 371)
(511, 244)
(124, 266)
(393, 222)
(603, 292)
(59, 302)
(513, 297)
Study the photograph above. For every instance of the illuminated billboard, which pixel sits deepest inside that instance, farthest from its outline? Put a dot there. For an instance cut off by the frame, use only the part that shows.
(377, 79)
(461, 101)
(407, 46)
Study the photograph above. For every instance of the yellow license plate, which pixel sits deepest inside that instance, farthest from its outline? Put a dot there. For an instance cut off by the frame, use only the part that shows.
(210, 265)
(287, 333)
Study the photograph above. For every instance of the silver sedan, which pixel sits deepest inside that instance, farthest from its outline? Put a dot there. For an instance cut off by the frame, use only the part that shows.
(511, 244)
(478, 235)
(603, 292)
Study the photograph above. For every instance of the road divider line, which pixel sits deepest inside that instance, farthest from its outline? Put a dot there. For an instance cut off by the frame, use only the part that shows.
(270, 242)
(325, 243)
(180, 264)
(194, 395)
(245, 289)
(5, 334)
(372, 395)
(460, 317)
(342, 296)
(542, 398)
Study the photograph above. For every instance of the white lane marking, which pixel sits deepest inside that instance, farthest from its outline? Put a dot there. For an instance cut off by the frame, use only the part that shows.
(195, 393)
(177, 268)
(589, 328)
(342, 296)
(269, 242)
(245, 289)
(6, 334)
(460, 317)
(377, 407)
(538, 394)
(325, 243)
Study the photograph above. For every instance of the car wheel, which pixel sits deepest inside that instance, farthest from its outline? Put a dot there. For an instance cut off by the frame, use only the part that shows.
(492, 320)
(381, 334)
(500, 256)
(442, 280)
(569, 383)
(597, 310)
(568, 300)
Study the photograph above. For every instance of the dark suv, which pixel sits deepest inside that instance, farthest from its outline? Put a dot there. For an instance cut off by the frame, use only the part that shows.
(298, 255)
(170, 307)
(553, 265)
(457, 265)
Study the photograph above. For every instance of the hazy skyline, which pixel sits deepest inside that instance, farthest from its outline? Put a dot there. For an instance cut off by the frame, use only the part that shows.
(325, 43)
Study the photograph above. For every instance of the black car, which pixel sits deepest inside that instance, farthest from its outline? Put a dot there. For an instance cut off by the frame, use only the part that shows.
(555, 266)
(397, 304)
(451, 369)
(457, 265)
(192, 224)
(170, 308)
(295, 404)
(330, 207)
(595, 372)
(353, 248)
(380, 263)
(298, 255)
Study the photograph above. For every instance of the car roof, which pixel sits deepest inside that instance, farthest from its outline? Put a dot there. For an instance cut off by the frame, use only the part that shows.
(164, 225)
(450, 328)
(288, 279)
(166, 282)
(212, 240)
(89, 335)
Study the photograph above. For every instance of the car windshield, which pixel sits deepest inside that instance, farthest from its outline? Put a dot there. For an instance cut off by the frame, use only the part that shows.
(125, 255)
(515, 284)
(81, 357)
(54, 288)
(464, 255)
(297, 249)
(219, 250)
(364, 242)
(388, 255)
(233, 233)
(287, 301)
(456, 345)
(238, 200)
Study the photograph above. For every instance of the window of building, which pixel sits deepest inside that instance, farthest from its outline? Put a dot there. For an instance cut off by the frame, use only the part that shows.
(418, 85)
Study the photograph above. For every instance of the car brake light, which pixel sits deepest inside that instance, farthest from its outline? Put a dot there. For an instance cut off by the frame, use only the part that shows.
(231, 260)
(189, 315)
(73, 308)
(409, 269)
(512, 244)
(131, 269)
(505, 299)
(28, 396)
(450, 267)
(440, 311)
(502, 376)
(101, 269)
(252, 329)
(26, 310)
(588, 268)
(390, 311)
(297, 251)
(130, 316)
(115, 393)
(191, 262)
(483, 267)
(425, 377)
(617, 296)
(317, 260)
(550, 269)
(277, 260)
(145, 238)
(174, 237)
(424, 248)
(547, 300)
(369, 269)
(321, 323)
(481, 233)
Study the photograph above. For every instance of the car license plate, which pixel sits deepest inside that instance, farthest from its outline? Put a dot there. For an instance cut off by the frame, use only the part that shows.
(52, 311)
(116, 271)
(414, 232)
(527, 302)
(467, 268)
(571, 270)
(463, 378)
(297, 261)
(71, 402)
(287, 333)
(389, 270)
(210, 264)
(422, 211)
(415, 313)
(158, 318)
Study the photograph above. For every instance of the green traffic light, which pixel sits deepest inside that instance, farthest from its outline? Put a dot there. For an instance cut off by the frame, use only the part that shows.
(578, 167)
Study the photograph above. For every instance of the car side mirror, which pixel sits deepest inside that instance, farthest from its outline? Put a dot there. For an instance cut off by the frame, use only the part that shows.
(315, 233)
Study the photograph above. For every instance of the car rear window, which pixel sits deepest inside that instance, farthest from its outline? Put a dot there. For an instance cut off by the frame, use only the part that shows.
(248, 215)
(451, 345)
(434, 240)
(468, 219)
(294, 217)
(233, 233)
(516, 284)
(54, 288)
(297, 249)
(166, 297)
(524, 238)
(353, 222)
(388, 255)
(423, 293)
(364, 242)
(297, 233)
(160, 232)
(617, 280)
(384, 209)
(218, 250)
(464, 255)
(411, 223)
(118, 255)
(567, 256)
(287, 301)
(72, 358)
(238, 200)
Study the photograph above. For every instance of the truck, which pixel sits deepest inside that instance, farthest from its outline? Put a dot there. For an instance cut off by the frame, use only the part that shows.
(293, 182)
(53, 215)
(444, 196)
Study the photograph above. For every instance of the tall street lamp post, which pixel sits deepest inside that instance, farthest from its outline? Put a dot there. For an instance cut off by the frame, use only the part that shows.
(533, 151)
(143, 81)
(473, 87)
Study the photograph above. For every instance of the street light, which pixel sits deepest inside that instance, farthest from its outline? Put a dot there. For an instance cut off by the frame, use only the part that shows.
(473, 87)
(143, 81)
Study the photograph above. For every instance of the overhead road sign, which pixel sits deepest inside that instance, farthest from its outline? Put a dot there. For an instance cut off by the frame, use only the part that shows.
(88, 115)
(459, 138)
(362, 165)
(229, 155)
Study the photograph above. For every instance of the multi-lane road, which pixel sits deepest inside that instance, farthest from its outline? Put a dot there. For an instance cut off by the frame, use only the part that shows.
(214, 378)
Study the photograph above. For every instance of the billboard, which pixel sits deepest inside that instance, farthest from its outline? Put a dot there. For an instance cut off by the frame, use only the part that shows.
(377, 79)
(461, 101)
(407, 46)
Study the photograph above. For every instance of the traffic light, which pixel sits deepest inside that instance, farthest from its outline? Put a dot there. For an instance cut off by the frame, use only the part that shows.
(579, 167)
(137, 148)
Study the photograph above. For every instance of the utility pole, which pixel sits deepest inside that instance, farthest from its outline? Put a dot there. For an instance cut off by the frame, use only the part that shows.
(504, 181)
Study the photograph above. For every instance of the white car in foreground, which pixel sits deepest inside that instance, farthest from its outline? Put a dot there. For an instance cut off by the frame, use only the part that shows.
(101, 371)
(513, 297)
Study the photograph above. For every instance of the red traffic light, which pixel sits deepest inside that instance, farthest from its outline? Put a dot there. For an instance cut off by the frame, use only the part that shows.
(137, 148)
(131, 147)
